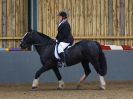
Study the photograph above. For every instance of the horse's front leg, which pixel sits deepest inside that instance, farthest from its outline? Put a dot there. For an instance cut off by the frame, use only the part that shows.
(58, 75)
(87, 71)
(37, 75)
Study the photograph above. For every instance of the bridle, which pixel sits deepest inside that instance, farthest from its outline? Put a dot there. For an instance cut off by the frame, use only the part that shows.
(36, 44)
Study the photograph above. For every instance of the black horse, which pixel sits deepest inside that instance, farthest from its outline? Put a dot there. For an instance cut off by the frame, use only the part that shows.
(84, 52)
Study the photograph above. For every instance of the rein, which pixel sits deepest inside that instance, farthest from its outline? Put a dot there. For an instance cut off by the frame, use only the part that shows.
(39, 44)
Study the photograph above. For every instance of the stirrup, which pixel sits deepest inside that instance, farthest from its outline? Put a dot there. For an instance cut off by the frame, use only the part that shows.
(64, 64)
(61, 64)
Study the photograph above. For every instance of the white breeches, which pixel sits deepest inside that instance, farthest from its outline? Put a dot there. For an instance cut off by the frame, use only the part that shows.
(60, 48)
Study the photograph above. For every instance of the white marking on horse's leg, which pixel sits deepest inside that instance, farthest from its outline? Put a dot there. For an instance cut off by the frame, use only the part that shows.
(35, 83)
(102, 82)
(61, 84)
(82, 79)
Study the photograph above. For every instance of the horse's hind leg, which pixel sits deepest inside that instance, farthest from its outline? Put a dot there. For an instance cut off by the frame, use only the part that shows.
(96, 65)
(102, 82)
(37, 75)
(87, 71)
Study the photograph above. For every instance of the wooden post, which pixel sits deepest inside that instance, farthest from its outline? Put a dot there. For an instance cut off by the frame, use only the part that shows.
(74, 17)
(40, 15)
(130, 19)
(9, 22)
(106, 19)
(110, 16)
(1, 22)
(98, 17)
(45, 16)
(94, 17)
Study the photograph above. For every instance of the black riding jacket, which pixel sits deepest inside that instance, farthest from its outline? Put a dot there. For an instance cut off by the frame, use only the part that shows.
(64, 33)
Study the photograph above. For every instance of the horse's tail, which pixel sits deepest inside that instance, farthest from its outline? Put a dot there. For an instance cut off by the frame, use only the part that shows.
(102, 61)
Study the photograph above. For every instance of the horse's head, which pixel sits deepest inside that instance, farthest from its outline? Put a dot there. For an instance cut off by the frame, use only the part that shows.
(35, 38)
(26, 41)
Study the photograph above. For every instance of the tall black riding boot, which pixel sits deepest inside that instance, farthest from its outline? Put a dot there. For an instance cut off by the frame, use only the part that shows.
(62, 60)
(62, 56)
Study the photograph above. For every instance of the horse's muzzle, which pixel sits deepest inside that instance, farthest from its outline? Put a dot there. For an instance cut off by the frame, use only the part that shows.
(22, 46)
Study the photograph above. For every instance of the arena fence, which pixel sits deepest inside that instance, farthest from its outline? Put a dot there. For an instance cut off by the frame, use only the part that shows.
(13, 22)
(107, 21)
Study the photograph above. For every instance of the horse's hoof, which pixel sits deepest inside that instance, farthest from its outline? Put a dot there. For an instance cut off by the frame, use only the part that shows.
(34, 88)
(61, 84)
(59, 88)
(102, 87)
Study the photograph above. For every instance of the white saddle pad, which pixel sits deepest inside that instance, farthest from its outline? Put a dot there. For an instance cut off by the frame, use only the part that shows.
(56, 54)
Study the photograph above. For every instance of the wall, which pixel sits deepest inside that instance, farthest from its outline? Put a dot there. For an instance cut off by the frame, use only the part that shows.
(107, 21)
(20, 67)
(13, 22)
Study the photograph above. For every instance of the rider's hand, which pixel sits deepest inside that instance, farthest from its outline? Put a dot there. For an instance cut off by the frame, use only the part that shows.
(56, 41)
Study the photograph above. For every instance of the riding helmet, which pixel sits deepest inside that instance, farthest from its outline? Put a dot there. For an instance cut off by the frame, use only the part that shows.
(63, 14)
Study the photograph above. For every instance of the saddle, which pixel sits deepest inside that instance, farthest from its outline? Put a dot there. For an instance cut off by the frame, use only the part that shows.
(65, 54)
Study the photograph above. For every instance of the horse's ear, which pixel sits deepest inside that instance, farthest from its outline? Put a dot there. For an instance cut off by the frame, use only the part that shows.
(30, 30)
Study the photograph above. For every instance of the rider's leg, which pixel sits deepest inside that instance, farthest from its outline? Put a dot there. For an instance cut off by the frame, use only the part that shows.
(62, 56)
(61, 47)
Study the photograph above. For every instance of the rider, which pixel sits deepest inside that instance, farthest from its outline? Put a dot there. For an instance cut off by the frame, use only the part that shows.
(64, 37)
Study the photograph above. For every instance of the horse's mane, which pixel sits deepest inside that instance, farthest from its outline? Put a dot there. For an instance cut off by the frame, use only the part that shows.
(44, 36)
